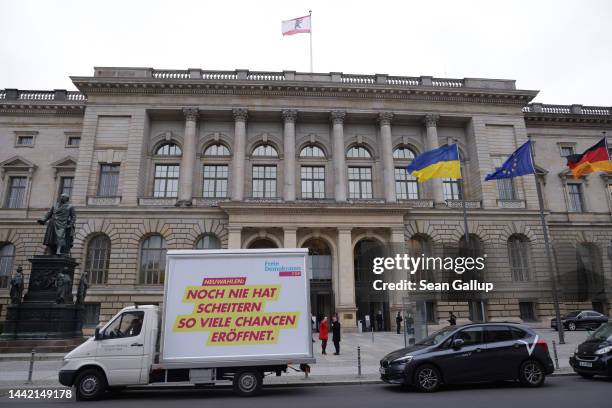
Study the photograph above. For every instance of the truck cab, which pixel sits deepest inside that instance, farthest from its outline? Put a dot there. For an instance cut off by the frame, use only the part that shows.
(120, 353)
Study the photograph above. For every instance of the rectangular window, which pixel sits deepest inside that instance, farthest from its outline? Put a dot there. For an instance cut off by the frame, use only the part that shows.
(66, 186)
(527, 311)
(74, 141)
(575, 198)
(109, 180)
(215, 181)
(360, 182)
(430, 311)
(505, 187)
(16, 192)
(406, 186)
(91, 316)
(476, 309)
(566, 150)
(25, 140)
(264, 181)
(451, 189)
(313, 182)
(166, 180)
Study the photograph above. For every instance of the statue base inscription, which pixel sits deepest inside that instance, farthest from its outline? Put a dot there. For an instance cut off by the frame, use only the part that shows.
(46, 311)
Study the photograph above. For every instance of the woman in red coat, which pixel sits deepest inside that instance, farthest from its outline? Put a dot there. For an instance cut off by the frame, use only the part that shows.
(323, 334)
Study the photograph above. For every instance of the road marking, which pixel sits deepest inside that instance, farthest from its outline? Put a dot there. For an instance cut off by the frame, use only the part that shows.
(530, 349)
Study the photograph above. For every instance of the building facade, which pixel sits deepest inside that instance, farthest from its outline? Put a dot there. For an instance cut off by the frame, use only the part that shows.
(157, 159)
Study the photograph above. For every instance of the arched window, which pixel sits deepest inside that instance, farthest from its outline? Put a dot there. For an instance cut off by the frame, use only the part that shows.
(217, 150)
(312, 151)
(319, 261)
(7, 256)
(168, 149)
(404, 153)
(518, 255)
(358, 152)
(97, 259)
(262, 243)
(265, 150)
(153, 260)
(420, 245)
(208, 241)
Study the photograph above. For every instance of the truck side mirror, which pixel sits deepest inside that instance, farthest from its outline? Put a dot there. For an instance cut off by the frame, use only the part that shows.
(457, 344)
(97, 335)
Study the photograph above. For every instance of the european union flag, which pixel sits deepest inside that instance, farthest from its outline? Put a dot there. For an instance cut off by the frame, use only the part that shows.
(518, 164)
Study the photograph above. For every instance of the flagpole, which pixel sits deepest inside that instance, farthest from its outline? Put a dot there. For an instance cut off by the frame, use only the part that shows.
(553, 278)
(310, 15)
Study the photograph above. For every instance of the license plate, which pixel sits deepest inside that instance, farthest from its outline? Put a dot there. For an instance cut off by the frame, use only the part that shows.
(585, 364)
(382, 370)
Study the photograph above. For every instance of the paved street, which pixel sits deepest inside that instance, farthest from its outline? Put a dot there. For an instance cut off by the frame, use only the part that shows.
(558, 392)
(329, 368)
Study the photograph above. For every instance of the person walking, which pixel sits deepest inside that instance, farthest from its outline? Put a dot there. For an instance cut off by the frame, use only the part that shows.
(379, 321)
(323, 334)
(452, 319)
(398, 320)
(336, 334)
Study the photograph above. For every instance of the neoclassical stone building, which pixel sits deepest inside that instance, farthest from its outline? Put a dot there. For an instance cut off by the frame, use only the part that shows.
(158, 159)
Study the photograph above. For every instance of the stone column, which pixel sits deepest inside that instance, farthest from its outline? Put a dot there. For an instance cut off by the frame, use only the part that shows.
(346, 280)
(431, 122)
(337, 119)
(290, 237)
(384, 120)
(185, 193)
(398, 246)
(289, 117)
(238, 161)
(234, 237)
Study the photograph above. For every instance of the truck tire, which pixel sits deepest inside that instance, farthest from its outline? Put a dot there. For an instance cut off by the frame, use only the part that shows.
(248, 383)
(90, 384)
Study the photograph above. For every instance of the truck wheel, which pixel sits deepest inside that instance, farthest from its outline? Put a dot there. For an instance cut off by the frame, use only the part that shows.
(248, 383)
(90, 385)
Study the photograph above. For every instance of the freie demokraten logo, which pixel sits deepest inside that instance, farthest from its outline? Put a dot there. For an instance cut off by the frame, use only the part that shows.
(283, 270)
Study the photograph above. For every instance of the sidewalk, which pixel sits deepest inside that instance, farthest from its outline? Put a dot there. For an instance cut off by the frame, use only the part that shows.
(329, 369)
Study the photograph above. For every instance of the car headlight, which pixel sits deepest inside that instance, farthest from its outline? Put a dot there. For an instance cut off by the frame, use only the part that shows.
(64, 362)
(604, 350)
(402, 360)
(576, 351)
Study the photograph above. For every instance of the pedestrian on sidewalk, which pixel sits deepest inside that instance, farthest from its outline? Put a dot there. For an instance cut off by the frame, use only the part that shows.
(398, 320)
(323, 334)
(452, 319)
(336, 334)
(379, 321)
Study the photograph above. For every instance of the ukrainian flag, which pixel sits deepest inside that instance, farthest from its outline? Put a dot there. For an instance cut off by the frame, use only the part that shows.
(442, 162)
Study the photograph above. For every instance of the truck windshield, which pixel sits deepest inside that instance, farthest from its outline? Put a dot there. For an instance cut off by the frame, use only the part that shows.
(126, 325)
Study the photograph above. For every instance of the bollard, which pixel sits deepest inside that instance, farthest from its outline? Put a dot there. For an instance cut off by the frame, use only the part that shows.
(31, 370)
(555, 354)
(372, 334)
(358, 361)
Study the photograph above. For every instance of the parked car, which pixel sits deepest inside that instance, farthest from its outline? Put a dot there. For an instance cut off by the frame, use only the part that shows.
(585, 319)
(594, 356)
(470, 353)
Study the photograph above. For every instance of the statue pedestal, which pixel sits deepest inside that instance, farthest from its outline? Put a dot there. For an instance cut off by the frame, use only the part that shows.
(39, 317)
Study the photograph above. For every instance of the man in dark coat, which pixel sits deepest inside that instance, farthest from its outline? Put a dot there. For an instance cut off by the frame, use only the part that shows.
(60, 229)
(336, 334)
(379, 321)
(398, 320)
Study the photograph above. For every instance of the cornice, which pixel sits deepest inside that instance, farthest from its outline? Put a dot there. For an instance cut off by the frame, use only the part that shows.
(144, 87)
(558, 119)
(42, 108)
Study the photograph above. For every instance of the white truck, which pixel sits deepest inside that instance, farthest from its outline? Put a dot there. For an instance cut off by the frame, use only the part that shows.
(229, 316)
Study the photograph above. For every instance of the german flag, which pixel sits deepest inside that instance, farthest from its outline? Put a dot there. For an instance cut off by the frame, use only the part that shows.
(593, 159)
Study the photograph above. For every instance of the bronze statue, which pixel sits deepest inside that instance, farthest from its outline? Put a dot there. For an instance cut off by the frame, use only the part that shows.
(63, 285)
(82, 289)
(60, 230)
(17, 286)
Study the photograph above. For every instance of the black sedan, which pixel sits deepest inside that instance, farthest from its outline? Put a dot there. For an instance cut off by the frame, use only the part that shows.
(471, 353)
(594, 356)
(585, 319)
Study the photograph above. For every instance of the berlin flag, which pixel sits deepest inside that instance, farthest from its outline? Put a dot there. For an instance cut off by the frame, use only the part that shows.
(296, 26)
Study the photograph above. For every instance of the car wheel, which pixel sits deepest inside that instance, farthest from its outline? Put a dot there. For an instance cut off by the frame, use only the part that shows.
(90, 385)
(248, 383)
(587, 376)
(427, 378)
(571, 326)
(531, 374)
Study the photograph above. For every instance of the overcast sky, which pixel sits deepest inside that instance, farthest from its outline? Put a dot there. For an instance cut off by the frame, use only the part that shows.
(562, 48)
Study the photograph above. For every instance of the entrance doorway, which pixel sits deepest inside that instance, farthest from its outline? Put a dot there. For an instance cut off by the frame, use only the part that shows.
(319, 267)
(372, 305)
